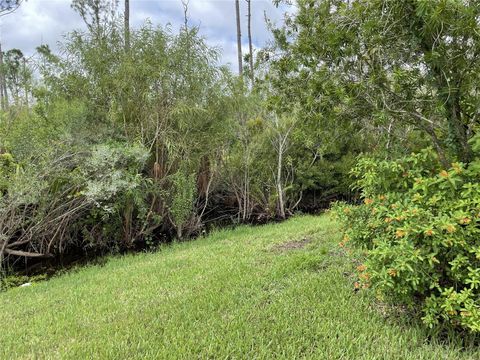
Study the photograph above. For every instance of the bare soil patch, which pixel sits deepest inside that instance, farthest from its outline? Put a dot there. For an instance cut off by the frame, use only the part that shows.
(292, 245)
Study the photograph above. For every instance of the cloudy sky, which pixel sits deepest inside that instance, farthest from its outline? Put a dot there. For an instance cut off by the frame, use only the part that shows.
(44, 21)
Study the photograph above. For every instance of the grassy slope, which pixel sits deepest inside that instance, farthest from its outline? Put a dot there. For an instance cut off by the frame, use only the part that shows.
(231, 295)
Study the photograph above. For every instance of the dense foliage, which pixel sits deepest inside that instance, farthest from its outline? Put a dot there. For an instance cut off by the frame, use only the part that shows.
(108, 147)
(406, 71)
(126, 138)
(420, 226)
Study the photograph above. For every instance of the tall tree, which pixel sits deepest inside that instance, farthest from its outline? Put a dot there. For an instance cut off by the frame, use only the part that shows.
(3, 82)
(6, 7)
(239, 38)
(17, 75)
(26, 76)
(250, 46)
(127, 25)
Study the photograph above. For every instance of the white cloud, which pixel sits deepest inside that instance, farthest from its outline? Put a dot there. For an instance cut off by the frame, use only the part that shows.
(46, 21)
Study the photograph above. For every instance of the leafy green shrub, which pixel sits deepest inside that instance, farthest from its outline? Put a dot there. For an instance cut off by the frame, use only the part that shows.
(420, 226)
(112, 180)
(7, 168)
(182, 200)
(86, 199)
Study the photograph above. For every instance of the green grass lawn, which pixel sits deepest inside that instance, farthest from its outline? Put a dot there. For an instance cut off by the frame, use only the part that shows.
(280, 291)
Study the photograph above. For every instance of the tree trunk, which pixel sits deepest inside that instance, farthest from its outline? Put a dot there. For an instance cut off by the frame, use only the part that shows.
(239, 38)
(179, 232)
(245, 193)
(25, 81)
(250, 46)
(127, 25)
(281, 205)
(2, 95)
(3, 84)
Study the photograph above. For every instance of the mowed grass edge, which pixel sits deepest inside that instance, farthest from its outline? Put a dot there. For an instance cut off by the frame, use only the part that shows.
(279, 291)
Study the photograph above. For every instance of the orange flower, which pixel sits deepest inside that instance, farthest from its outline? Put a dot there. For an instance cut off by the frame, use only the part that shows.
(368, 201)
(465, 221)
(341, 244)
(366, 285)
(347, 211)
(392, 272)
(382, 197)
(361, 268)
(388, 220)
(444, 173)
(364, 276)
(356, 285)
(400, 233)
(428, 232)
(400, 218)
(346, 238)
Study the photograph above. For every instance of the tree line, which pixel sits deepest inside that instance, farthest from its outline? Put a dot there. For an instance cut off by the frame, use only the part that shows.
(131, 136)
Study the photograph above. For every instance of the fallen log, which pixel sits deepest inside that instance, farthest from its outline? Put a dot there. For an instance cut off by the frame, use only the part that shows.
(26, 254)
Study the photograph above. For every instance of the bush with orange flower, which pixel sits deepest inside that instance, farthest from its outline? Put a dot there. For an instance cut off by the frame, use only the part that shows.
(423, 237)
